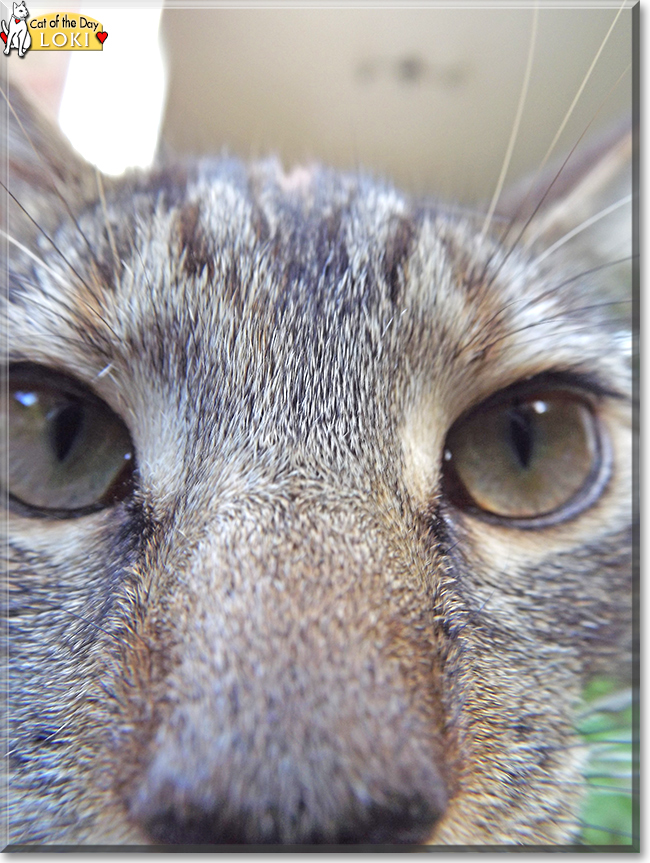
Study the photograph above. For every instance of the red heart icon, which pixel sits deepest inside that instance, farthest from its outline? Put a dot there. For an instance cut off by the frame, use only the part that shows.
(3, 36)
(102, 36)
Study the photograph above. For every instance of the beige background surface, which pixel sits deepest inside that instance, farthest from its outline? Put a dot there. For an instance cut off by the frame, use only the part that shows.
(424, 96)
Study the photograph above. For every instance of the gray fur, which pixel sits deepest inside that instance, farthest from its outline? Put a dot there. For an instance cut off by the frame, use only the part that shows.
(288, 632)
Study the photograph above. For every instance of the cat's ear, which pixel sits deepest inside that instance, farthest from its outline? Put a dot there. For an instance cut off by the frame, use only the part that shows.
(588, 195)
(45, 176)
(581, 210)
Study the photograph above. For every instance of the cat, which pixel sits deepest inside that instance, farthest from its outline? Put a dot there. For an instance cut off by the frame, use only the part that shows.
(17, 36)
(319, 502)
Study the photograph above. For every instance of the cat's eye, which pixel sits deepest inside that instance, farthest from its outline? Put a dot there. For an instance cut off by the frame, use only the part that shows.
(530, 458)
(65, 451)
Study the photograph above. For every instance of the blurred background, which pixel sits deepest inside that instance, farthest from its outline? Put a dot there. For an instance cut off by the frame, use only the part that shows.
(426, 97)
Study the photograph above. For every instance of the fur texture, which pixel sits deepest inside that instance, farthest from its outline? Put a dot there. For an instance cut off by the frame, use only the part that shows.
(288, 631)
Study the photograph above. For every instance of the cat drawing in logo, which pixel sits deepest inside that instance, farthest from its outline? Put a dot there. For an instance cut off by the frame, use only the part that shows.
(17, 36)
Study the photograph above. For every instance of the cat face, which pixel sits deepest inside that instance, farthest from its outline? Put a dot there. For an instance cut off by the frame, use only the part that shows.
(20, 10)
(319, 506)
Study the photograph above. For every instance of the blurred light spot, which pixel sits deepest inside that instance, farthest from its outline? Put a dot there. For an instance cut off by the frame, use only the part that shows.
(113, 99)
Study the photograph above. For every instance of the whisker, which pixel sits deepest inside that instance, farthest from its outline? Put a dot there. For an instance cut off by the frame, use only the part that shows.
(41, 288)
(612, 775)
(543, 322)
(53, 184)
(611, 830)
(590, 745)
(50, 241)
(611, 703)
(85, 621)
(618, 755)
(515, 127)
(581, 88)
(612, 789)
(485, 602)
(65, 284)
(475, 340)
(584, 273)
(583, 227)
(143, 265)
(103, 372)
(72, 313)
(57, 731)
(109, 230)
(524, 302)
(49, 737)
(613, 727)
(515, 217)
(41, 263)
(539, 204)
(50, 312)
(566, 783)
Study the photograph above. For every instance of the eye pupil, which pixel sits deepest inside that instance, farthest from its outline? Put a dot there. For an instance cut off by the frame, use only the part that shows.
(521, 435)
(65, 428)
(526, 456)
(66, 452)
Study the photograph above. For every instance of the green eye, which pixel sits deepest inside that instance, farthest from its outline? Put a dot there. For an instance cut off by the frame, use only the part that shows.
(531, 457)
(65, 450)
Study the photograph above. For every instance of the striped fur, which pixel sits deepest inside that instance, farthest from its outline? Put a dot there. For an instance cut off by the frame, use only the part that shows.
(288, 633)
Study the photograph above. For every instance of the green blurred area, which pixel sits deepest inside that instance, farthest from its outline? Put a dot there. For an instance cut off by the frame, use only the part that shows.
(606, 725)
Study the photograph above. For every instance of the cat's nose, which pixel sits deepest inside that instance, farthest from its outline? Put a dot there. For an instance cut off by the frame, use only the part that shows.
(296, 785)
(299, 709)
(402, 820)
(329, 764)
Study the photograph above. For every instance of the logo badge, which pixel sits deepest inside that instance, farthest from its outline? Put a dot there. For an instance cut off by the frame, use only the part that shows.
(58, 32)
(16, 34)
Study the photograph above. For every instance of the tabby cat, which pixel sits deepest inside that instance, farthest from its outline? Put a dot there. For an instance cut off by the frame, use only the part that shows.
(319, 501)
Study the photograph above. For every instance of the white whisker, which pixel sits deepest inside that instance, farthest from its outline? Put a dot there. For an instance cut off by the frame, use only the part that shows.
(582, 227)
(36, 259)
(515, 127)
(104, 371)
(109, 231)
(568, 114)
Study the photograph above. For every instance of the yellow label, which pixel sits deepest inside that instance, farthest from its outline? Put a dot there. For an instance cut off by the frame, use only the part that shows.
(65, 32)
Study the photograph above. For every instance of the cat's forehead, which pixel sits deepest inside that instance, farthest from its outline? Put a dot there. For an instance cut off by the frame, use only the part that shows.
(192, 273)
(310, 235)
